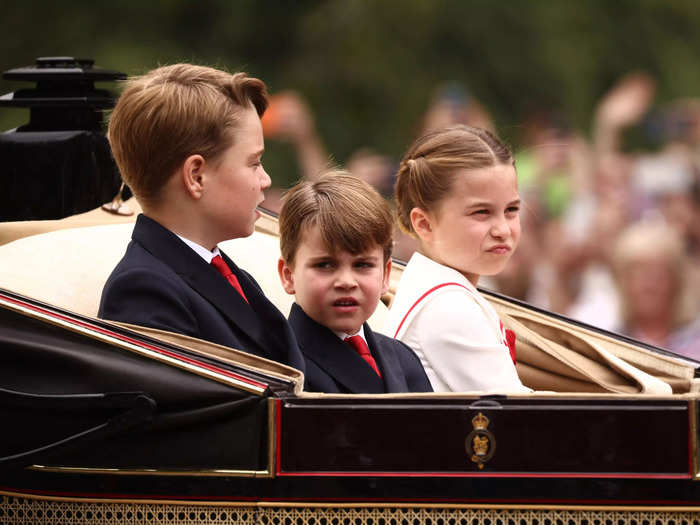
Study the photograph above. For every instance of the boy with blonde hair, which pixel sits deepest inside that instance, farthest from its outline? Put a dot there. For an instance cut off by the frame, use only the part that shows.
(335, 240)
(188, 142)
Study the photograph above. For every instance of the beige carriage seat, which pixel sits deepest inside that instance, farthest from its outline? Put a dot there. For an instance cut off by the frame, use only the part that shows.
(68, 267)
(557, 355)
(122, 212)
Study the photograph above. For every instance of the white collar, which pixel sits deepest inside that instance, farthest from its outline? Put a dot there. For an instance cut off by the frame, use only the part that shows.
(201, 250)
(421, 276)
(431, 272)
(360, 332)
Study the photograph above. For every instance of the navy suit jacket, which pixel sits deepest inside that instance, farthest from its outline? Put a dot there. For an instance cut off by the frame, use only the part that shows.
(162, 283)
(333, 366)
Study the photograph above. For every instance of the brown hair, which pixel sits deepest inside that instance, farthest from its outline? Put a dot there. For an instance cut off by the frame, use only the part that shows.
(427, 171)
(350, 214)
(175, 111)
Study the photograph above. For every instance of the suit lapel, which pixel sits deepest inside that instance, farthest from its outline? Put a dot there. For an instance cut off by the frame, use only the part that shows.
(336, 358)
(203, 278)
(271, 329)
(214, 287)
(387, 361)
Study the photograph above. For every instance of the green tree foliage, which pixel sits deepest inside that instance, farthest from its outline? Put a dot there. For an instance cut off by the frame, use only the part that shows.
(369, 68)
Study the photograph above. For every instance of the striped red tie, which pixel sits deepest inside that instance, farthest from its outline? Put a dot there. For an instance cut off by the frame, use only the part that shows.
(357, 342)
(221, 266)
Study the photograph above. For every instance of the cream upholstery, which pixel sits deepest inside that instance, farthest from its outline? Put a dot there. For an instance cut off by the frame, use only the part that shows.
(69, 267)
(13, 230)
(66, 268)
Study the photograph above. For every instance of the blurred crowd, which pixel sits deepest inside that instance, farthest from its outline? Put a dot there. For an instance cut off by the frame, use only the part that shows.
(611, 222)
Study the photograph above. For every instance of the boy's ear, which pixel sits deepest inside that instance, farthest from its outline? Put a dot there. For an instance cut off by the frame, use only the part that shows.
(193, 175)
(286, 276)
(422, 224)
(387, 277)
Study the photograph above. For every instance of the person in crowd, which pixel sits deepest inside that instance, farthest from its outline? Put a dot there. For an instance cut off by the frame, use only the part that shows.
(626, 179)
(374, 168)
(335, 241)
(659, 304)
(188, 141)
(456, 192)
(452, 103)
(289, 118)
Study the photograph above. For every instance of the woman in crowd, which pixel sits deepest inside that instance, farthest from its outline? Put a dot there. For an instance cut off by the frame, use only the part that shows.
(659, 304)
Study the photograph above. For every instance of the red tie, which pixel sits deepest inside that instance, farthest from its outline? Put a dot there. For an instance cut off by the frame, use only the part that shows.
(361, 347)
(221, 266)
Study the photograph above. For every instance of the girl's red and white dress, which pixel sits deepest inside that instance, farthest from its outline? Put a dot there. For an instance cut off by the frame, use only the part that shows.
(455, 332)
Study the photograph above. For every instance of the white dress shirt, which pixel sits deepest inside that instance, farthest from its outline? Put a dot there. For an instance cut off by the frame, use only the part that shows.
(200, 250)
(360, 332)
(452, 328)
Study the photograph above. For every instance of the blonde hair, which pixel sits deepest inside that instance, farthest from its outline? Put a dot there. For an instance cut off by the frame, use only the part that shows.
(650, 239)
(428, 169)
(349, 213)
(175, 111)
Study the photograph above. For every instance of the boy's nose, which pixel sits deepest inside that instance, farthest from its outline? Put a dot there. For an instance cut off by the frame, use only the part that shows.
(265, 181)
(345, 279)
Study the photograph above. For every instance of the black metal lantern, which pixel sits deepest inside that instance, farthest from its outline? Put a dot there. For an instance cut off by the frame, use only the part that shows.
(59, 163)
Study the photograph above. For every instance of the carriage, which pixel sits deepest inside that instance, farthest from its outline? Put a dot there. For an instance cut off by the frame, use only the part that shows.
(111, 423)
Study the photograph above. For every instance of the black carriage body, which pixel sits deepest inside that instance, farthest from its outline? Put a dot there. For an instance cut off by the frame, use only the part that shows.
(94, 412)
(106, 425)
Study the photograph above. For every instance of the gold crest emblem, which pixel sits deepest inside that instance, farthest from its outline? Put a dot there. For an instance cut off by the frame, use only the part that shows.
(480, 443)
(480, 422)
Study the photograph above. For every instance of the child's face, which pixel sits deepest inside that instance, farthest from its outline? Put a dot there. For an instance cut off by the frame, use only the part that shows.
(234, 184)
(476, 228)
(336, 289)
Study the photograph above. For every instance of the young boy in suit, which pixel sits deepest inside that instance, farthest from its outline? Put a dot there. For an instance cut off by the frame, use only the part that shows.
(188, 142)
(336, 240)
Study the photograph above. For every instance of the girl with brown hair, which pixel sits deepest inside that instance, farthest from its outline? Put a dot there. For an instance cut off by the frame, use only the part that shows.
(456, 192)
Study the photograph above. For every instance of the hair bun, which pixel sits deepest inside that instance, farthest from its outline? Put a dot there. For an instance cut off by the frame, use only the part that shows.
(413, 164)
